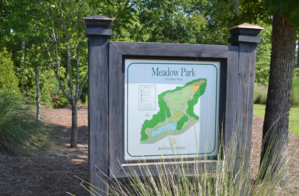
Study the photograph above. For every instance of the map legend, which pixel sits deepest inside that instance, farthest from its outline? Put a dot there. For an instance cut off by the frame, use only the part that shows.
(147, 97)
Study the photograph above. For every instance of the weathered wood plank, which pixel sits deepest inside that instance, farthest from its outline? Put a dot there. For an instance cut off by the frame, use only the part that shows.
(116, 108)
(173, 50)
(231, 97)
(246, 76)
(246, 71)
(98, 117)
(98, 31)
(249, 39)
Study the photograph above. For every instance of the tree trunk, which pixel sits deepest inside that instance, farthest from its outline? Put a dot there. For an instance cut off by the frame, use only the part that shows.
(37, 93)
(275, 131)
(74, 135)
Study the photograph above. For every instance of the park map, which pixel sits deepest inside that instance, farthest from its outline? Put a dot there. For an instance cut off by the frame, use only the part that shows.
(176, 114)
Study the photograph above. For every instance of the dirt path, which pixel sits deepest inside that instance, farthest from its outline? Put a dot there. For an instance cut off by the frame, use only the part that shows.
(54, 174)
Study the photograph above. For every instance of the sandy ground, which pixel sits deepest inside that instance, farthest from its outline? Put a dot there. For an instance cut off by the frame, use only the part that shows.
(54, 174)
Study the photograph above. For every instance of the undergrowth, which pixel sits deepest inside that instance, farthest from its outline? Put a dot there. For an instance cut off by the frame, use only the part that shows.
(225, 176)
(20, 133)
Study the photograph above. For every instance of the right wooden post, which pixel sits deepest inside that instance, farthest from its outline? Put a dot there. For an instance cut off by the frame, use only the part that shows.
(245, 37)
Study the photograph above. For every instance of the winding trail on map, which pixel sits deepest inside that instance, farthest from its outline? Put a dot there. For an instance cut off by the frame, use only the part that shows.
(176, 114)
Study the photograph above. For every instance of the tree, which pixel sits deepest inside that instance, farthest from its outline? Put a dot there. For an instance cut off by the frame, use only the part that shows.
(24, 42)
(283, 15)
(168, 21)
(279, 90)
(67, 47)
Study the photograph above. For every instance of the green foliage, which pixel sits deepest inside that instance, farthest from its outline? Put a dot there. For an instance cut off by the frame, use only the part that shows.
(62, 102)
(8, 79)
(179, 21)
(19, 132)
(263, 55)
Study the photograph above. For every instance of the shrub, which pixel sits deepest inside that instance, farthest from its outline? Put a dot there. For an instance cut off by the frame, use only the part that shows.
(19, 132)
(8, 79)
(61, 102)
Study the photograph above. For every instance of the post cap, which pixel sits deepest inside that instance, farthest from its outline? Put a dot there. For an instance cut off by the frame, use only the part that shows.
(245, 33)
(98, 25)
(246, 26)
(98, 20)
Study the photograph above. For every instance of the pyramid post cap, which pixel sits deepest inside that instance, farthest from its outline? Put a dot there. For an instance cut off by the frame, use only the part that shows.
(98, 18)
(246, 26)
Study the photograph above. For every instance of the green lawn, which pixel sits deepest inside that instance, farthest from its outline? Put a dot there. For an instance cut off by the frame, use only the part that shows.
(259, 110)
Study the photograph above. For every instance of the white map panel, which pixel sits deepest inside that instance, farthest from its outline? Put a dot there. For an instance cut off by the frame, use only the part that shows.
(171, 109)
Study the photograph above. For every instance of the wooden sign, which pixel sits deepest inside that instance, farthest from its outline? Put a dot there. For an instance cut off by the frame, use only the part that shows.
(153, 100)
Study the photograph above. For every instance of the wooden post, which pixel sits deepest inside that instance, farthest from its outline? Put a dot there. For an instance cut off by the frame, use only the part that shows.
(245, 37)
(98, 34)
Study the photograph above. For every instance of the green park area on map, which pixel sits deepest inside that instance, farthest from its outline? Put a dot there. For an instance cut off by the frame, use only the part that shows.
(176, 114)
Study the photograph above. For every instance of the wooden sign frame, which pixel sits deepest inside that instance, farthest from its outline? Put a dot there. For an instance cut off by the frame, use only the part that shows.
(106, 92)
(119, 51)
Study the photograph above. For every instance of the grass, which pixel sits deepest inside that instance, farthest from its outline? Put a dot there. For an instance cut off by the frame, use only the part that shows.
(260, 93)
(295, 92)
(20, 133)
(259, 110)
(189, 179)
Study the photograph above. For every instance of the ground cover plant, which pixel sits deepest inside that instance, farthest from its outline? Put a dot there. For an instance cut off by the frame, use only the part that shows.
(20, 133)
(187, 177)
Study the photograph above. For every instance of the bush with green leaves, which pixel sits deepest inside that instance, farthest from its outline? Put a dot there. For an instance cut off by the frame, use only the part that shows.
(20, 133)
(8, 79)
(61, 102)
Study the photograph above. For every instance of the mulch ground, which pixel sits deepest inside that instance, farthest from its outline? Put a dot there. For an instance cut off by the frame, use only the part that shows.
(54, 173)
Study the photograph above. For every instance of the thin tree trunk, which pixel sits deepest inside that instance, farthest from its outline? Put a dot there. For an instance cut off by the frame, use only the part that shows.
(37, 93)
(275, 131)
(74, 135)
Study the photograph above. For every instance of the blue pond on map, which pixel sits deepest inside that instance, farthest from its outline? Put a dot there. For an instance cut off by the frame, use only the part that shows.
(170, 127)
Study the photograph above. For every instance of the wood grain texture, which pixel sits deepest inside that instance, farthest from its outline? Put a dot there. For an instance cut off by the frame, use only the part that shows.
(231, 97)
(98, 116)
(246, 76)
(116, 109)
(98, 31)
(173, 50)
(242, 38)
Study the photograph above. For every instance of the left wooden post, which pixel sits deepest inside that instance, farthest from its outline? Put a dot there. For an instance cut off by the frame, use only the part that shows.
(98, 34)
